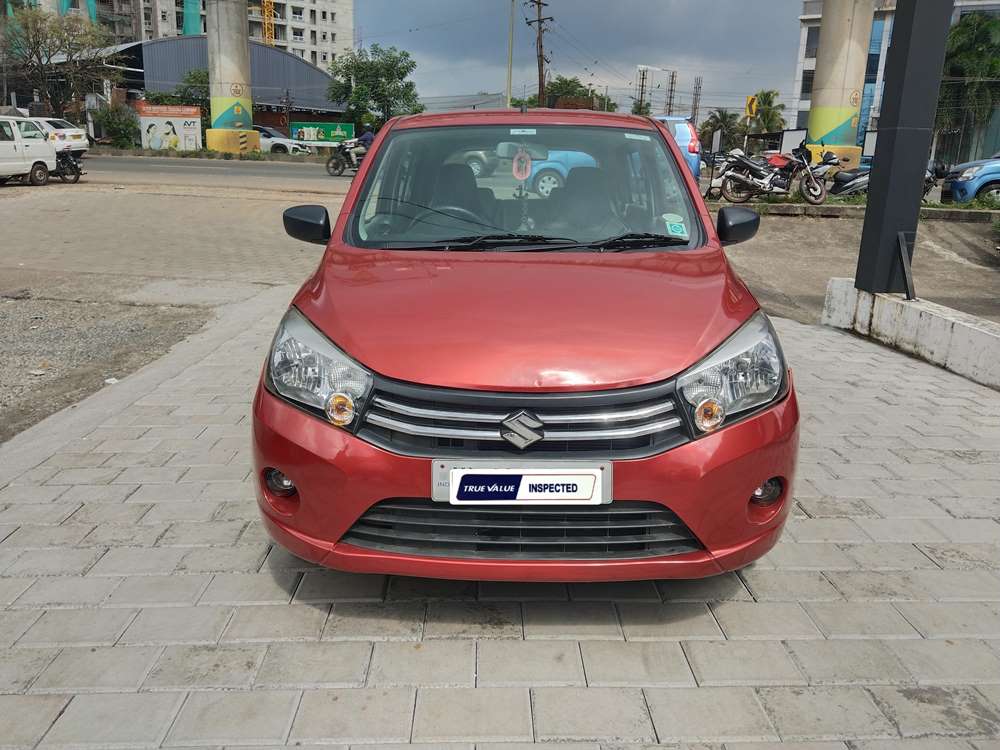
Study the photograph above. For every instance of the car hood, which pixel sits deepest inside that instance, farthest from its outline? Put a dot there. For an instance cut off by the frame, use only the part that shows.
(526, 321)
(980, 163)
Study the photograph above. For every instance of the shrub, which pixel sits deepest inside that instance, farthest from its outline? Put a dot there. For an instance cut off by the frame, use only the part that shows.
(119, 123)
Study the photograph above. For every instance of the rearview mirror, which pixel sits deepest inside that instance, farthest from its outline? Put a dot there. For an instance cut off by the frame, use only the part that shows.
(736, 224)
(508, 150)
(307, 223)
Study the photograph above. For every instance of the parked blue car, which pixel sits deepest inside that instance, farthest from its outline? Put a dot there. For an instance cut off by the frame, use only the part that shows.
(687, 139)
(549, 174)
(974, 179)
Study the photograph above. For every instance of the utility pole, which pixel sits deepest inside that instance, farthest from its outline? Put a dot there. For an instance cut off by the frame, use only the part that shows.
(643, 74)
(286, 102)
(539, 23)
(510, 49)
(671, 90)
(696, 100)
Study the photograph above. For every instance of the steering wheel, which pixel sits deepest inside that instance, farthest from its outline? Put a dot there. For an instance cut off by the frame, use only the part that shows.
(452, 212)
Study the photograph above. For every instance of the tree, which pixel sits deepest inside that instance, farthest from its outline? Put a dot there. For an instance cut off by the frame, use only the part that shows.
(646, 109)
(575, 88)
(730, 123)
(192, 91)
(119, 123)
(374, 80)
(62, 57)
(969, 88)
(769, 117)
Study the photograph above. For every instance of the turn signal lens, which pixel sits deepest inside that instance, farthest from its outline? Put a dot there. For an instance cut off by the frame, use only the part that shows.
(340, 409)
(708, 415)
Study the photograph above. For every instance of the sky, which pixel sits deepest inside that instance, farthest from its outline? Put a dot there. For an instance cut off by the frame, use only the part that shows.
(460, 46)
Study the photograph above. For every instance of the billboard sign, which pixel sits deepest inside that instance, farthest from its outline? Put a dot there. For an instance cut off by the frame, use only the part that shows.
(168, 127)
(322, 131)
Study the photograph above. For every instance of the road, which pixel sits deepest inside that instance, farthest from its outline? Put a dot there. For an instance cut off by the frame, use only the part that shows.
(259, 175)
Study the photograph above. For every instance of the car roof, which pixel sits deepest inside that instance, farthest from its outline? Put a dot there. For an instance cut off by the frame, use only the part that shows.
(532, 116)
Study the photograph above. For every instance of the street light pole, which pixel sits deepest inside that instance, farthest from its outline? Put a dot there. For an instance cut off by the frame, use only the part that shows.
(510, 51)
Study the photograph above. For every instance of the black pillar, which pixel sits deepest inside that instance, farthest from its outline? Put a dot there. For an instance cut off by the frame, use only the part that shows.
(905, 130)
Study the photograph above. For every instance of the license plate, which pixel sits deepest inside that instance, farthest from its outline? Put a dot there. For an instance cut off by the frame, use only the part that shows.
(77, 137)
(504, 483)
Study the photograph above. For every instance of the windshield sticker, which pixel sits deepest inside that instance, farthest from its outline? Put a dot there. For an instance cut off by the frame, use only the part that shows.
(637, 137)
(675, 226)
(522, 131)
(521, 165)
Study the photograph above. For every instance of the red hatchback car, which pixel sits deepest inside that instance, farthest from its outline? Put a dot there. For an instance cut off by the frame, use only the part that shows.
(482, 382)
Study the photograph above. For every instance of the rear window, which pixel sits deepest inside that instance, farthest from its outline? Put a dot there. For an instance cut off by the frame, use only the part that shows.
(583, 183)
(61, 124)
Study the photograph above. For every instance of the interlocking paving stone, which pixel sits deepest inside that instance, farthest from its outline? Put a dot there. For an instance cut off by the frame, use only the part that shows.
(764, 620)
(177, 625)
(725, 587)
(942, 662)
(730, 663)
(824, 713)
(956, 711)
(473, 620)
(25, 718)
(202, 667)
(645, 663)
(333, 586)
(708, 714)
(571, 621)
(392, 621)
(275, 587)
(597, 714)
(158, 591)
(271, 624)
(84, 670)
(457, 714)
(853, 662)
(427, 664)
(314, 665)
(859, 620)
(18, 667)
(214, 718)
(671, 621)
(363, 715)
(124, 720)
(77, 627)
(505, 663)
(953, 619)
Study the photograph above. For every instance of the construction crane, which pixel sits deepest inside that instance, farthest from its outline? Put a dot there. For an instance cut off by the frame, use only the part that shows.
(267, 23)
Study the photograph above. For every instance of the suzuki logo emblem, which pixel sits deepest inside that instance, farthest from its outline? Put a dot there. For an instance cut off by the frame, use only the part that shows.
(521, 429)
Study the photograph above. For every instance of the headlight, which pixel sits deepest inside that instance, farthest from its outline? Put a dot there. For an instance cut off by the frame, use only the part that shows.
(307, 369)
(745, 372)
(969, 173)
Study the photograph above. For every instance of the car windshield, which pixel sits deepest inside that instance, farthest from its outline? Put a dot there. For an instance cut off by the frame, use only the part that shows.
(574, 184)
(61, 124)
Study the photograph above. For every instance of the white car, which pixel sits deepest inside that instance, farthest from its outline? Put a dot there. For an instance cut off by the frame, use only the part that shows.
(272, 141)
(64, 135)
(25, 151)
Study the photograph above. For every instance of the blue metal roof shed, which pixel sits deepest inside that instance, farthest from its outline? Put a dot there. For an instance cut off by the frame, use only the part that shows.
(164, 63)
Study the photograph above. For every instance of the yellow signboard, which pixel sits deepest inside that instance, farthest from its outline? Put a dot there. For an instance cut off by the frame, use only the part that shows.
(752, 106)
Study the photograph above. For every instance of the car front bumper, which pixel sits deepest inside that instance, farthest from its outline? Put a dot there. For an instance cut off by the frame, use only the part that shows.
(707, 483)
(957, 191)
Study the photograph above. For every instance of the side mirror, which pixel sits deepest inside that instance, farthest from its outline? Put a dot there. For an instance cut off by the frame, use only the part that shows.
(736, 224)
(308, 223)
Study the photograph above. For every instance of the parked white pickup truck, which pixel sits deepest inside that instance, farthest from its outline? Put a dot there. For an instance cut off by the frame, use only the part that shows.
(25, 151)
(272, 141)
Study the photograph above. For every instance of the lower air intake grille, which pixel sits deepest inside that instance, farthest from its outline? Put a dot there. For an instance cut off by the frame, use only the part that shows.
(616, 531)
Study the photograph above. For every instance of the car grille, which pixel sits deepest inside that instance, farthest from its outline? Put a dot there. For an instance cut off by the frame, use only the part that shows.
(615, 531)
(448, 423)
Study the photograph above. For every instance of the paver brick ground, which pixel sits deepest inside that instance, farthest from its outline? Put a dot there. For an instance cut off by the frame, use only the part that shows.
(141, 604)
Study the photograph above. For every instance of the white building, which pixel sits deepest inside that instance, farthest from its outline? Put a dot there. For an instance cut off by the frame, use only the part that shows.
(315, 30)
(871, 99)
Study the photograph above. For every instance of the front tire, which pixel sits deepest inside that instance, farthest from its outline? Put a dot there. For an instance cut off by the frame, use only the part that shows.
(547, 181)
(990, 192)
(735, 191)
(814, 192)
(335, 166)
(39, 175)
(278, 149)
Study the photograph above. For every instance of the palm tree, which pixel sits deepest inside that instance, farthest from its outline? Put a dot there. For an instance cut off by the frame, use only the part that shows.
(726, 121)
(769, 117)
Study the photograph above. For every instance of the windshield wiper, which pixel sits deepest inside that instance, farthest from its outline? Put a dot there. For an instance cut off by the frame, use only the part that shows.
(636, 239)
(505, 240)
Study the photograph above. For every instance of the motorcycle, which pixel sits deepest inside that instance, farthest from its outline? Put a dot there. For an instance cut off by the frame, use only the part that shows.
(828, 160)
(68, 167)
(775, 176)
(343, 158)
(855, 182)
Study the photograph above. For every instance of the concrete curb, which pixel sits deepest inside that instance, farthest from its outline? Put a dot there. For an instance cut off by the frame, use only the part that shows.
(139, 154)
(28, 448)
(961, 343)
(842, 211)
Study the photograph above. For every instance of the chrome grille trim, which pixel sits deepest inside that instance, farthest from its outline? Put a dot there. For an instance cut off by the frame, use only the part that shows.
(613, 433)
(618, 415)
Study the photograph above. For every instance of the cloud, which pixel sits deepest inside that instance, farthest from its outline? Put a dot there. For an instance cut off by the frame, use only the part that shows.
(737, 46)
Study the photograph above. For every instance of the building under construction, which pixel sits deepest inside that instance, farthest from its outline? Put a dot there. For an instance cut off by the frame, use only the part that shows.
(314, 30)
